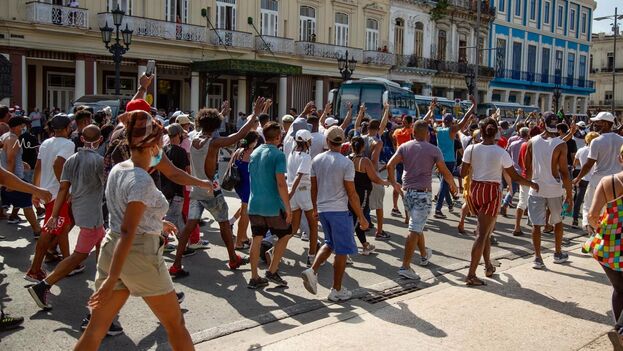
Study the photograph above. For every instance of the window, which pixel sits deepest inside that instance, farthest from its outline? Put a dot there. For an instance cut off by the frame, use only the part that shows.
(462, 48)
(481, 52)
(531, 59)
(341, 29)
(516, 59)
(399, 32)
(582, 68)
(226, 14)
(176, 11)
(501, 5)
(372, 34)
(545, 63)
(518, 8)
(610, 58)
(546, 12)
(584, 23)
(125, 5)
(533, 10)
(560, 10)
(419, 39)
(441, 45)
(269, 17)
(572, 20)
(307, 24)
(500, 59)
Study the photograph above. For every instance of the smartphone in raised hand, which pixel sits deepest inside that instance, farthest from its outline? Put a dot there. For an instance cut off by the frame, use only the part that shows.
(151, 67)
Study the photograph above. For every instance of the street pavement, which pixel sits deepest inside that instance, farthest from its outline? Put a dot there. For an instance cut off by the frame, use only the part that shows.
(218, 303)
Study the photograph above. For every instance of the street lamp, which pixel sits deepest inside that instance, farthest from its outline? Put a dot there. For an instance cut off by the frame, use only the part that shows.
(346, 66)
(117, 49)
(557, 80)
(470, 81)
(615, 32)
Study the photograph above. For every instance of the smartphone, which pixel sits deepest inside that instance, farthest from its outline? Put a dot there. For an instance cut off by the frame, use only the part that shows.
(385, 97)
(151, 66)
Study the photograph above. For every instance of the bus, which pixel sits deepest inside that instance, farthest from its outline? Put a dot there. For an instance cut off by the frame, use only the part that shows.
(508, 110)
(450, 106)
(371, 91)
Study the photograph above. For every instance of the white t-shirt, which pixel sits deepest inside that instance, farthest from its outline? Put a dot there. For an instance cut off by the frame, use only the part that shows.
(49, 150)
(487, 162)
(299, 162)
(331, 170)
(288, 145)
(605, 150)
(582, 156)
(319, 144)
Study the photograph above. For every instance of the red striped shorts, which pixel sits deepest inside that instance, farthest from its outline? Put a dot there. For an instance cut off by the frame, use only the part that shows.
(484, 197)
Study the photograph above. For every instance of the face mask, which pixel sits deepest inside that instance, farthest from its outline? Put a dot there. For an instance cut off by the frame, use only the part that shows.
(155, 160)
(24, 130)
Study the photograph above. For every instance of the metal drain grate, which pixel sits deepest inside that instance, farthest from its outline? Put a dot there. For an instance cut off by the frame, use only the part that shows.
(373, 297)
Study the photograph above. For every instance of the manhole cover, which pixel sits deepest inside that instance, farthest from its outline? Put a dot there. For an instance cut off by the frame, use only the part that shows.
(373, 297)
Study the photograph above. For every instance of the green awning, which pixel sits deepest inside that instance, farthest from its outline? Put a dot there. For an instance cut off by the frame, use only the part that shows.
(246, 67)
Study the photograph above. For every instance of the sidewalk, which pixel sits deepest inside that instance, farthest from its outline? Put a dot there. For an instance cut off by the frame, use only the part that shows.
(564, 308)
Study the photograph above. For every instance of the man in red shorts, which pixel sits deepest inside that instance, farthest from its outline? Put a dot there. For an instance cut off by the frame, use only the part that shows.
(52, 156)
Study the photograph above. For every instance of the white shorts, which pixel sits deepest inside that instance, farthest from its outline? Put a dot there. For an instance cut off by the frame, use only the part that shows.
(523, 197)
(301, 200)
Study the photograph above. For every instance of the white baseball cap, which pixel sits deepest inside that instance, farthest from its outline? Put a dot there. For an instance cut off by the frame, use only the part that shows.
(581, 124)
(330, 121)
(303, 135)
(603, 116)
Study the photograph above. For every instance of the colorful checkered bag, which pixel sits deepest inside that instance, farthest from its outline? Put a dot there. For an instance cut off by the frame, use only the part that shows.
(605, 245)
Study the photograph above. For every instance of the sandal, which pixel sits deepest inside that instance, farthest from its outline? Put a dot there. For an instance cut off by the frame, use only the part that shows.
(474, 281)
(245, 245)
(461, 230)
(489, 271)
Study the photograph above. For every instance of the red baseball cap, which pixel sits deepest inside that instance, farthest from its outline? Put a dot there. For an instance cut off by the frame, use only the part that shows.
(138, 105)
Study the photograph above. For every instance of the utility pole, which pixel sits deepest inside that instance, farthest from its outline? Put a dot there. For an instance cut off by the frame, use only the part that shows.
(614, 66)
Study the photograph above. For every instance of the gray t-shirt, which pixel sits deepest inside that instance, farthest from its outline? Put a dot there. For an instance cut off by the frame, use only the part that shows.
(127, 183)
(605, 150)
(331, 169)
(418, 158)
(85, 171)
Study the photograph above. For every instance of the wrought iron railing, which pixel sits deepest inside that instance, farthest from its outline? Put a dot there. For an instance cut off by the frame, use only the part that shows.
(544, 78)
(40, 12)
(442, 66)
(147, 27)
(305, 48)
(275, 44)
(232, 38)
(379, 58)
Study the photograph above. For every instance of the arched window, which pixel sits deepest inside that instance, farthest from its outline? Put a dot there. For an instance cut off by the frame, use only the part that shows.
(399, 33)
(341, 29)
(307, 23)
(372, 34)
(441, 45)
(419, 40)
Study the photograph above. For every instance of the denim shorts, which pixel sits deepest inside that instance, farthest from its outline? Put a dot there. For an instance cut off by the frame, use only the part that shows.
(174, 214)
(419, 205)
(339, 232)
(216, 206)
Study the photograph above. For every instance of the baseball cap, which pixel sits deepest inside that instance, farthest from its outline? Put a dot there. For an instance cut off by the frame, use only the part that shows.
(335, 135)
(448, 117)
(174, 129)
(603, 116)
(303, 135)
(581, 124)
(330, 121)
(551, 121)
(182, 119)
(138, 105)
(17, 121)
(60, 121)
(287, 119)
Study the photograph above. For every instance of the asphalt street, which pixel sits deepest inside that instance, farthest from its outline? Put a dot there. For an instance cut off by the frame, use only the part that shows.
(218, 301)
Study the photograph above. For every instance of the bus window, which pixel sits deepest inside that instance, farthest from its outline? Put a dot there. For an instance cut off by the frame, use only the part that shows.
(372, 96)
(348, 93)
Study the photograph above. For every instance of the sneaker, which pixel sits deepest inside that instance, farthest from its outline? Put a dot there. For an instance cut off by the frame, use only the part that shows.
(408, 273)
(349, 260)
(177, 272)
(368, 250)
(341, 295)
(561, 257)
(188, 252)
(240, 261)
(439, 215)
(7, 322)
(451, 208)
(39, 292)
(36, 236)
(574, 224)
(310, 280)
(538, 264)
(200, 245)
(180, 297)
(275, 278)
(310, 260)
(35, 277)
(424, 259)
(382, 236)
(304, 236)
(503, 211)
(13, 220)
(114, 329)
(396, 212)
(257, 283)
(168, 248)
(77, 270)
(171, 238)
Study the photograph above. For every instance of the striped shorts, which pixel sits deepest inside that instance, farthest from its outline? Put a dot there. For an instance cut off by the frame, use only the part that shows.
(484, 197)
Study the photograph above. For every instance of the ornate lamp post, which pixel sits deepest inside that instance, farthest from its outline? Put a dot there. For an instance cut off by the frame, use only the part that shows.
(557, 80)
(346, 66)
(117, 49)
(470, 81)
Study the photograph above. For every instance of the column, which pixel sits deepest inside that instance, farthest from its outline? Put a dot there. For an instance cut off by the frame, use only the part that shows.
(89, 69)
(489, 96)
(24, 84)
(283, 96)
(584, 105)
(319, 93)
(94, 77)
(520, 97)
(194, 91)
(79, 87)
(242, 96)
(574, 106)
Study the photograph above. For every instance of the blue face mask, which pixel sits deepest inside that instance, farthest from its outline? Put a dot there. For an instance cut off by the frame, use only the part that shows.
(155, 160)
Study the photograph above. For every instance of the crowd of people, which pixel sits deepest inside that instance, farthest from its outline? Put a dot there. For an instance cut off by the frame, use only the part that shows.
(137, 187)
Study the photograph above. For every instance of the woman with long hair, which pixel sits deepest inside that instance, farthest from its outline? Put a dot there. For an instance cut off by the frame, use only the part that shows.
(241, 158)
(131, 259)
(486, 162)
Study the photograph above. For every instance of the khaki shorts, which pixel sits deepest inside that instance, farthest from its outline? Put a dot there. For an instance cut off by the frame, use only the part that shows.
(144, 272)
(376, 196)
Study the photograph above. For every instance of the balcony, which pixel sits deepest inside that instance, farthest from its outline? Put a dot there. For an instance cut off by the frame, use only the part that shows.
(231, 38)
(443, 66)
(328, 51)
(552, 80)
(485, 8)
(63, 16)
(376, 57)
(275, 45)
(147, 27)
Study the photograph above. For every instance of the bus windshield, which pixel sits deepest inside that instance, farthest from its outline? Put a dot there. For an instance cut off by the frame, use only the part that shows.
(371, 94)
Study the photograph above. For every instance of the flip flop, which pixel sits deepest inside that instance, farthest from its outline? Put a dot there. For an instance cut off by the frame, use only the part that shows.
(489, 271)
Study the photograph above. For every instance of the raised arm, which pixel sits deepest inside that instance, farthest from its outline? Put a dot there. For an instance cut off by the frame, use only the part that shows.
(349, 116)
(328, 110)
(466, 118)
(144, 83)
(242, 132)
(430, 115)
(386, 114)
(360, 114)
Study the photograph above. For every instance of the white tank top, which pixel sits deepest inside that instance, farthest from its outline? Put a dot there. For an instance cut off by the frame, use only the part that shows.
(542, 152)
(197, 166)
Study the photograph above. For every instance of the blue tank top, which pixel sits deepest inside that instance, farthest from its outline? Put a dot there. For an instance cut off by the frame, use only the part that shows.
(446, 144)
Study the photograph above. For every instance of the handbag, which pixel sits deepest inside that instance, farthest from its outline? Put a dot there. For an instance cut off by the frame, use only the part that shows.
(232, 178)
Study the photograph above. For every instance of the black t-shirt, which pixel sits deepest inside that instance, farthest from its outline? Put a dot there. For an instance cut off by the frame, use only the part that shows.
(572, 148)
(30, 148)
(75, 137)
(179, 158)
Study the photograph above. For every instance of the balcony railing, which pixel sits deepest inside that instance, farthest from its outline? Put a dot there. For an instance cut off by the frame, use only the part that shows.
(471, 5)
(147, 27)
(40, 12)
(276, 45)
(544, 78)
(232, 38)
(379, 58)
(442, 66)
(312, 49)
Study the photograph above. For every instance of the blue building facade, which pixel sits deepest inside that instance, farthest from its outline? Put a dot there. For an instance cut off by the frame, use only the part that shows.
(542, 47)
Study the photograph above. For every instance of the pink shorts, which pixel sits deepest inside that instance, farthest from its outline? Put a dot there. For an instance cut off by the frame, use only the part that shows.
(88, 238)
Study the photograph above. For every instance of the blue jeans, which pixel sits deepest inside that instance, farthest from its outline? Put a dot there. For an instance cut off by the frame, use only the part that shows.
(509, 196)
(444, 191)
